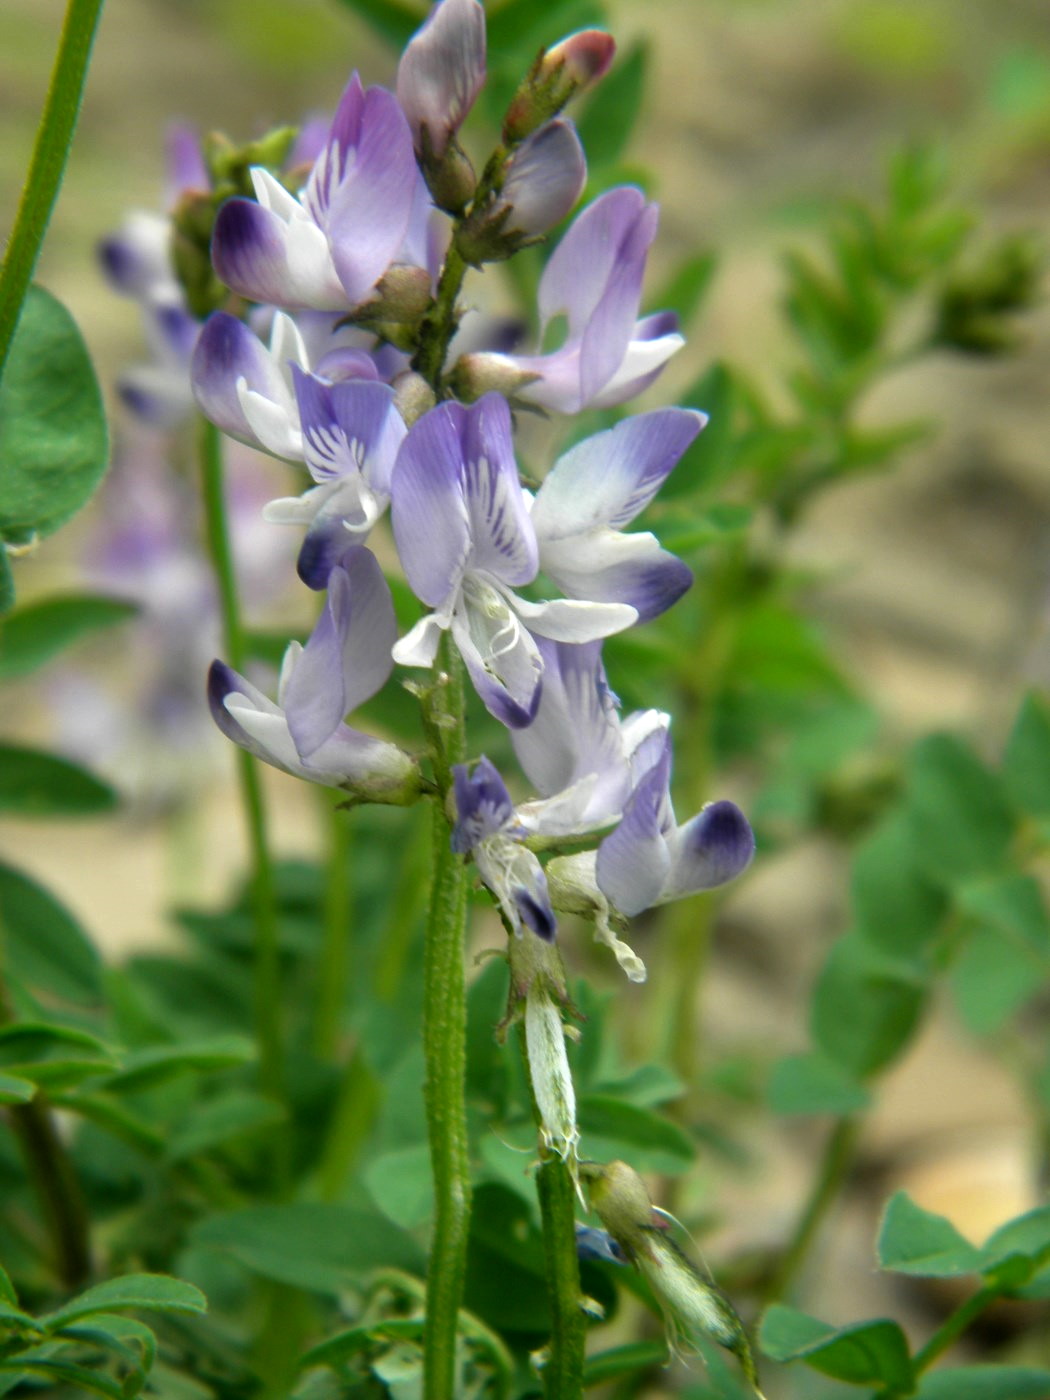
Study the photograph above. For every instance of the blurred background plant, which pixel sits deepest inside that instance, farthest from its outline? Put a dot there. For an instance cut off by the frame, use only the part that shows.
(849, 193)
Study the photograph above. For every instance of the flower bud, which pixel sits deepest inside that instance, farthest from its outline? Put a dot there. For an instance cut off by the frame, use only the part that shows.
(474, 375)
(549, 1071)
(402, 295)
(413, 396)
(556, 76)
(441, 73)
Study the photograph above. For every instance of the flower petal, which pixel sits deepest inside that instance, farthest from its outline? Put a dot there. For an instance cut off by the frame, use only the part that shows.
(500, 655)
(283, 261)
(428, 511)
(442, 70)
(483, 805)
(544, 179)
(633, 861)
(645, 357)
(610, 477)
(609, 567)
(573, 619)
(503, 542)
(711, 849)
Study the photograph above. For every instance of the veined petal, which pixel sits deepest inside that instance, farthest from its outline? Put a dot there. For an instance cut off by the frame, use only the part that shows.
(442, 70)
(711, 849)
(610, 477)
(343, 513)
(349, 428)
(348, 656)
(609, 567)
(369, 210)
(283, 261)
(500, 655)
(503, 542)
(331, 165)
(428, 510)
(573, 619)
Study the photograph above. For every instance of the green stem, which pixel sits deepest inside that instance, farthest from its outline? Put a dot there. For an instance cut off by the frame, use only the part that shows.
(834, 1168)
(444, 1048)
(269, 1030)
(563, 1373)
(439, 324)
(955, 1325)
(338, 932)
(53, 140)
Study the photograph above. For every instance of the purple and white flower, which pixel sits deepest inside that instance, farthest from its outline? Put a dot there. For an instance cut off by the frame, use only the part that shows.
(328, 248)
(247, 388)
(595, 489)
(487, 828)
(594, 278)
(344, 663)
(465, 539)
(441, 72)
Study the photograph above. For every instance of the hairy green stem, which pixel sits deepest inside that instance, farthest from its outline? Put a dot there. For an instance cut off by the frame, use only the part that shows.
(47, 166)
(269, 1031)
(338, 932)
(834, 1168)
(563, 1373)
(439, 324)
(444, 1047)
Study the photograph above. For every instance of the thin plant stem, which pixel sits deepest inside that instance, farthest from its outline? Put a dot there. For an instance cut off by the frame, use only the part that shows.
(834, 1169)
(563, 1372)
(269, 1031)
(444, 1048)
(440, 323)
(47, 166)
(52, 1176)
(338, 932)
(955, 1325)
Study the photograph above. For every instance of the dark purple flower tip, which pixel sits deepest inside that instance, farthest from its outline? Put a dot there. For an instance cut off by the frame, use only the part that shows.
(223, 680)
(593, 1243)
(321, 550)
(483, 805)
(715, 847)
(536, 912)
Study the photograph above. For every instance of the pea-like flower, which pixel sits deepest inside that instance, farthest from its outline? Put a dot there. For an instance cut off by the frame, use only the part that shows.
(328, 248)
(344, 663)
(441, 72)
(466, 541)
(593, 279)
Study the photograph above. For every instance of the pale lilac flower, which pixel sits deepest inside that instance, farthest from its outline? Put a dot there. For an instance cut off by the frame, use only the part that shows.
(649, 859)
(466, 542)
(594, 279)
(486, 827)
(441, 73)
(544, 178)
(328, 248)
(595, 489)
(344, 663)
(245, 387)
(351, 433)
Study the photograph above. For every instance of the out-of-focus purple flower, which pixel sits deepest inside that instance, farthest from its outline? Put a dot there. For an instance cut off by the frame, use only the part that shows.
(594, 279)
(595, 489)
(351, 432)
(466, 542)
(328, 249)
(486, 828)
(441, 73)
(344, 663)
(649, 859)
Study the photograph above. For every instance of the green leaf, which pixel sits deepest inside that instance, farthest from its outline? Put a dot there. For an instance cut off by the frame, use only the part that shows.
(622, 1361)
(30, 1364)
(687, 287)
(333, 1351)
(310, 1245)
(15, 1090)
(898, 909)
(401, 1183)
(1026, 1237)
(711, 456)
(865, 1007)
(960, 820)
(135, 1292)
(40, 631)
(985, 1383)
(38, 784)
(915, 1241)
(607, 122)
(1026, 762)
(44, 945)
(7, 1288)
(53, 1055)
(144, 1069)
(612, 1128)
(1007, 955)
(811, 1083)
(864, 1353)
(391, 19)
(54, 445)
(220, 1120)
